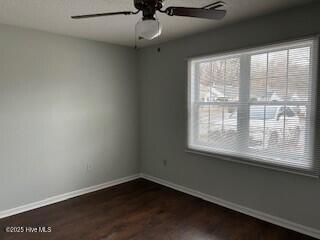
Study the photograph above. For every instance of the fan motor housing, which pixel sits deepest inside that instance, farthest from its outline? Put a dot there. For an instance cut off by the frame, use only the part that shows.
(148, 7)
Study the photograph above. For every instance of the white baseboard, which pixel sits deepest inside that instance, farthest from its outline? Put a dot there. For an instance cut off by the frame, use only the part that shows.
(65, 196)
(253, 213)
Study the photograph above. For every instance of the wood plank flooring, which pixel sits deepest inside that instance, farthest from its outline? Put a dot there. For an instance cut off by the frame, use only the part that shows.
(142, 210)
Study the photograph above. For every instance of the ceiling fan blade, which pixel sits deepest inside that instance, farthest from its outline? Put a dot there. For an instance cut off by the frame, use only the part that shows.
(214, 5)
(196, 12)
(103, 14)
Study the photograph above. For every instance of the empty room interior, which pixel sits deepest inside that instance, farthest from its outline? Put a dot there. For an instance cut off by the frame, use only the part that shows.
(159, 119)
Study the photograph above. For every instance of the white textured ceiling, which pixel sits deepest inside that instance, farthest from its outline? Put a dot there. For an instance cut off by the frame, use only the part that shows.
(54, 16)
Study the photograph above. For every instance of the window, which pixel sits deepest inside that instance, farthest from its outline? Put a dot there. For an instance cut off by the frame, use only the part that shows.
(256, 106)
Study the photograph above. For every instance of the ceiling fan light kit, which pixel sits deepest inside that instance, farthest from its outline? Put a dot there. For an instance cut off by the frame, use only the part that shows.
(150, 28)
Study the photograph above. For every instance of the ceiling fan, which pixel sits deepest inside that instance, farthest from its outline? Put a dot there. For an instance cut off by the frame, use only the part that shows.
(149, 27)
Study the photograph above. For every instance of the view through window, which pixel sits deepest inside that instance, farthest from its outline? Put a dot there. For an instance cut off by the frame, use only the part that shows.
(257, 105)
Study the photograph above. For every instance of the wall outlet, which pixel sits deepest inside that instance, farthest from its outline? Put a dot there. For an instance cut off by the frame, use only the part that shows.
(164, 163)
(89, 166)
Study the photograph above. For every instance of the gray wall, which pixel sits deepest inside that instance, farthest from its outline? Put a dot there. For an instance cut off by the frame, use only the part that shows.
(65, 104)
(163, 79)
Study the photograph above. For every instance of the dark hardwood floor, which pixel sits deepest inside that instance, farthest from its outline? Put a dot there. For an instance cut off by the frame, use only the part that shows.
(142, 210)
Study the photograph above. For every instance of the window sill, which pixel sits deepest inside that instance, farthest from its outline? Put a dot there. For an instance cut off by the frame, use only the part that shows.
(247, 161)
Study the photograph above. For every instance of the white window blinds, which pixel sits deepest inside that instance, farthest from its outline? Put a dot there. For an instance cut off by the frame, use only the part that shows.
(256, 106)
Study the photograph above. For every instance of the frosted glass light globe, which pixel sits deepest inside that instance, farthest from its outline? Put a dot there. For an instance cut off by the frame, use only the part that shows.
(149, 29)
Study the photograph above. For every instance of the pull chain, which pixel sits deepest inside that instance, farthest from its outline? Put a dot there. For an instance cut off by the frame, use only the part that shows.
(135, 38)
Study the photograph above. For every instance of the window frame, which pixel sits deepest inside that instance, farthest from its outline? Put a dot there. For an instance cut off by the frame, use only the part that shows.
(312, 115)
